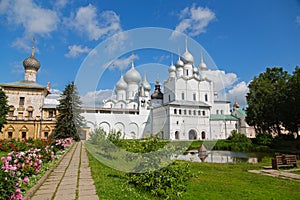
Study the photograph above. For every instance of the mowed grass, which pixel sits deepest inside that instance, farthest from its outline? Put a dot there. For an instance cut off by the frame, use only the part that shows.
(210, 181)
(233, 181)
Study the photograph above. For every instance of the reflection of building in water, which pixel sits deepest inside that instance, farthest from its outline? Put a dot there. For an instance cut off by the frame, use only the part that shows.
(217, 157)
(186, 110)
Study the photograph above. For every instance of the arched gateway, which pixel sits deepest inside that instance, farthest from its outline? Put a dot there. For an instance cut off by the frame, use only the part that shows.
(192, 135)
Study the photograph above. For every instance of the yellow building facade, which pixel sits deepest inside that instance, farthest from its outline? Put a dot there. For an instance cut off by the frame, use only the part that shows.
(32, 108)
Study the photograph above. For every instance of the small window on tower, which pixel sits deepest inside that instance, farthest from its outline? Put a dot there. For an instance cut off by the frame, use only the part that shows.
(30, 114)
(182, 96)
(51, 113)
(22, 101)
(10, 134)
(206, 97)
(175, 111)
(194, 97)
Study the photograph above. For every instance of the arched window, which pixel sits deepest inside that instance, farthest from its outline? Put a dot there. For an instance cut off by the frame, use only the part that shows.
(221, 112)
(184, 112)
(217, 112)
(199, 112)
(194, 96)
(203, 135)
(203, 112)
(190, 112)
(206, 97)
(177, 135)
(175, 111)
(179, 111)
(192, 135)
(182, 96)
(194, 112)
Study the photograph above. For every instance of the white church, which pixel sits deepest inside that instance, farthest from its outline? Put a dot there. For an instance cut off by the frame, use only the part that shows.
(186, 110)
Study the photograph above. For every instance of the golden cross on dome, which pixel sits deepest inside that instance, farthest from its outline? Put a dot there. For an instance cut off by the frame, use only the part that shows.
(32, 49)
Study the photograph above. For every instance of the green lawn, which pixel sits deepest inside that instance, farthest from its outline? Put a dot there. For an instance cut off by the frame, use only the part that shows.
(210, 181)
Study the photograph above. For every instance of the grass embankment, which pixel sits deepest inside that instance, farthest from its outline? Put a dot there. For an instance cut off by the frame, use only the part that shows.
(210, 181)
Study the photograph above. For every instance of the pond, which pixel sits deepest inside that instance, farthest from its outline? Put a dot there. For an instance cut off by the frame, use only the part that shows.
(222, 157)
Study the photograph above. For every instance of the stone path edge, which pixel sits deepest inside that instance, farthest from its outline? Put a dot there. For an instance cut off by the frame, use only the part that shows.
(38, 184)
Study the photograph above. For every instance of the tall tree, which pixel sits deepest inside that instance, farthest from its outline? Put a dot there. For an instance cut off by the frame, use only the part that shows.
(292, 110)
(69, 121)
(266, 100)
(3, 108)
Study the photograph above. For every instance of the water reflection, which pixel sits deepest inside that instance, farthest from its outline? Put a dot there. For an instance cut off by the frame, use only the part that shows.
(218, 157)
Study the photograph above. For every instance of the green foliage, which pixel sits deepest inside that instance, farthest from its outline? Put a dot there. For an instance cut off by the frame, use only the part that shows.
(169, 182)
(69, 120)
(3, 108)
(150, 155)
(236, 142)
(291, 116)
(7, 184)
(264, 139)
(274, 100)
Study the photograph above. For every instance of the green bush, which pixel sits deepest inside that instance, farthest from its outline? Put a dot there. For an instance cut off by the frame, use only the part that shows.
(265, 139)
(169, 182)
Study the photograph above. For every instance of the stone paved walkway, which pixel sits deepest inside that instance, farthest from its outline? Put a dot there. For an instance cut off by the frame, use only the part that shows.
(278, 173)
(70, 180)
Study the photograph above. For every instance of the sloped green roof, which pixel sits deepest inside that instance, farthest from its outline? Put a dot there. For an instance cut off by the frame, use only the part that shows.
(223, 117)
(243, 112)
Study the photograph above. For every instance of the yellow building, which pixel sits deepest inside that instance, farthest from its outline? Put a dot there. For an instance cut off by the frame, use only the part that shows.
(32, 109)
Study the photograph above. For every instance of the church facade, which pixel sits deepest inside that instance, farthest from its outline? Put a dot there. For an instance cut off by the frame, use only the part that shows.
(32, 109)
(186, 110)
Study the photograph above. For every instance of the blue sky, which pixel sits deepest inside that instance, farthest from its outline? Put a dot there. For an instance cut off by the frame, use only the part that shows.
(242, 37)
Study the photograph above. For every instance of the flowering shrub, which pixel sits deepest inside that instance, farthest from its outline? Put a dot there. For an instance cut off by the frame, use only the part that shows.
(18, 167)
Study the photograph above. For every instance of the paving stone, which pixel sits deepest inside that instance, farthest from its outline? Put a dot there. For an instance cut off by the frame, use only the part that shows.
(66, 174)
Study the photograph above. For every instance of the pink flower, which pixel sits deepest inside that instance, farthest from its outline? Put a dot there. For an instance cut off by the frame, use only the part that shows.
(9, 158)
(26, 180)
(19, 196)
(3, 159)
(18, 190)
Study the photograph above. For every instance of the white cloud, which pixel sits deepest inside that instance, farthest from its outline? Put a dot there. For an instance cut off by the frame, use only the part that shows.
(238, 93)
(298, 19)
(120, 63)
(31, 17)
(88, 22)
(55, 91)
(75, 50)
(116, 42)
(221, 79)
(60, 3)
(194, 20)
(96, 98)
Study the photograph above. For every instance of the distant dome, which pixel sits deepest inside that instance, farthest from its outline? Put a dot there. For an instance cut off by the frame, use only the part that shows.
(121, 84)
(195, 70)
(187, 57)
(202, 66)
(157, 94)
(179, 63)
(31, 63)
(172, 68)
(132, 76)
(146, 85)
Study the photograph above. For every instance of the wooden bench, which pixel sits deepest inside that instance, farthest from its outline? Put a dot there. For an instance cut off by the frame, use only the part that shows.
(284, 160)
